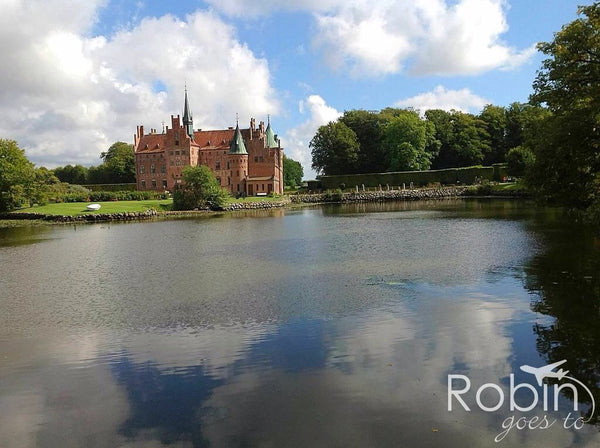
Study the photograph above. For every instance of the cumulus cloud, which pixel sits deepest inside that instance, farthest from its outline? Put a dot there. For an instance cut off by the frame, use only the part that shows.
(429, 37)
(298, 138)
(68, 95)
(442, 98)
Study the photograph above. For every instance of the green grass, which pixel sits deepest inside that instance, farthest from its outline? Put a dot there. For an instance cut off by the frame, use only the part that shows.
(514, 186)
(79, 208)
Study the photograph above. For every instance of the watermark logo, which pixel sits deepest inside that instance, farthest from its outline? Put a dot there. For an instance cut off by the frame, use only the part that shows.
(490, 397)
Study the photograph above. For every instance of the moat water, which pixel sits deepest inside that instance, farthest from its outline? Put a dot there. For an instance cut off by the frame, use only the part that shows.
(318, 327)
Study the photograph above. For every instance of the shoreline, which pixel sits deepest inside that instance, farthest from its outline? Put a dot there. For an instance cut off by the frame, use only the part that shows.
(293, 201)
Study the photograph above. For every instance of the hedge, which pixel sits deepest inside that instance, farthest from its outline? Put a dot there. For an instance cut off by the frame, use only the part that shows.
(450, 176)
(111, 187)
(103, 196)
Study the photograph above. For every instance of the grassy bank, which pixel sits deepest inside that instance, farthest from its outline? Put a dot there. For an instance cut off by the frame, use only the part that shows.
(79, 208)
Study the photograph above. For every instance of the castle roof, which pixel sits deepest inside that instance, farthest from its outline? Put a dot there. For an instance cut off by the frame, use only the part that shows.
(270, 136)
(237, 144)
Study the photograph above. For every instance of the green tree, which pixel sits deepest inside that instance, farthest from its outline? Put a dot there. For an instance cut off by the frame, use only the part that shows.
(368, 127)
(406, 140)
(520, 160)
(463, 138)
(292, 172)
(17, 177)
(567, 163)
(334, 149)
(75, 175)
(120, 162)
(199, 190)
(495, 122)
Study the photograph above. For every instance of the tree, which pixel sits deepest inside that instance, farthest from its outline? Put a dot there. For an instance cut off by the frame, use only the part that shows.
(120, 162)
(75, 175)
(334, 149)
(406, 140)
(463, 138)
(567, 164)
(292, 172)
(495, 122)
(368, 129)
(17, 177)
(520, 160)
(199, 190)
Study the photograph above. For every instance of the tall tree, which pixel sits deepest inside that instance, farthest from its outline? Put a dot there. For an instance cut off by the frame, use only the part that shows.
(406, 140)
(120, 162)
(367, 126)
(334, 149)
(76, 174)
(495, 123)
(567, 163)
(292, 172)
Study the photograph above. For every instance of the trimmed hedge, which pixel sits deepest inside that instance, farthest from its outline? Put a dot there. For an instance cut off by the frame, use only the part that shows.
(500, 171)
(110, 187)
(104, 196)
(450, 176)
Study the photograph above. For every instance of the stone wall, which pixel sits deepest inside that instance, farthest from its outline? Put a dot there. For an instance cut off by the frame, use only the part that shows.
(380, 196)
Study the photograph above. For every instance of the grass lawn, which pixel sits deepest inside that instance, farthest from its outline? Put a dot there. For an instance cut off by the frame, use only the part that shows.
(79, 208)
(513, 186)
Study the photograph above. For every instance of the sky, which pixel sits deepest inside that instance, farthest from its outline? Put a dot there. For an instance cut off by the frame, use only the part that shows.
(77, 76)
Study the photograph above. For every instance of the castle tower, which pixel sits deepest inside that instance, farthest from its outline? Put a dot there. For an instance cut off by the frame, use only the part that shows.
(237, 160)
(188, 122)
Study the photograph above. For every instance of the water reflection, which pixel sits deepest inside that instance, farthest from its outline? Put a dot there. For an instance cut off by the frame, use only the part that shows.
(323, 327)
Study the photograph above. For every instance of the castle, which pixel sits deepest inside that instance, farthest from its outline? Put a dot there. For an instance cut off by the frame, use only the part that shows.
(244, 161)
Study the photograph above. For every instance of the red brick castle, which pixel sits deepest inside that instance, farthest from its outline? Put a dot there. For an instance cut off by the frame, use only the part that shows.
(244, 161)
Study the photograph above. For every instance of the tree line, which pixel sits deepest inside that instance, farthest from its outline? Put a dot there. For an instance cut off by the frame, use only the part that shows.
(394, 139)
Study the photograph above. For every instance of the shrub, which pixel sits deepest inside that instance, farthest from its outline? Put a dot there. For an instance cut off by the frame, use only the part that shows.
(519, 161)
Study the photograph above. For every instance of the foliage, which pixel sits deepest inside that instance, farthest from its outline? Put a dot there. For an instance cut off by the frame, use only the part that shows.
(368, 129)
(199, 190)
(17, 177)
(405, 141)
(120, 162)
(72, 174)
(495, 120)
(292, 172)
(463, 138)
(567, 163)
(334, 149)
(520, 160)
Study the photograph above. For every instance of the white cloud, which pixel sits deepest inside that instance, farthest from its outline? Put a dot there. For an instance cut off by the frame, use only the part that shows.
(67, 96)
(442, 98)
(297, 139)
(441, 37)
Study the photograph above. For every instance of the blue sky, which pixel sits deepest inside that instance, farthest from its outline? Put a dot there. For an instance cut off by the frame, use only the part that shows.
(79, 76)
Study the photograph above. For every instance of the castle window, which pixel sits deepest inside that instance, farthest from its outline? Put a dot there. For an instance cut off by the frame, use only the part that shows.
(163, 168)
(171, 152)
(256, 158)
(229, 181)
(164, 184)
(141, 169)
(238, 187)
(153, 183)
(178, 162)
(143, 184)
(237, 173)
(261, 159)
(172, 163)
(227, 165)
(152, 169)
(217, 165)
(263, 187)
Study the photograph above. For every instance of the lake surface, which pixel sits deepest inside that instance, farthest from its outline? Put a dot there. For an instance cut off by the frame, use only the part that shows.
(329, 326)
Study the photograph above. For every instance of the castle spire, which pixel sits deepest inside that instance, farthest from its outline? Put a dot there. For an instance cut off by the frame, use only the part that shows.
(270, 135)
(237, 145)
(188, 122)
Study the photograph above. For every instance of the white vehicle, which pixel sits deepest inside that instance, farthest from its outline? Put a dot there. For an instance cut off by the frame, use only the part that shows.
(93, 207)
